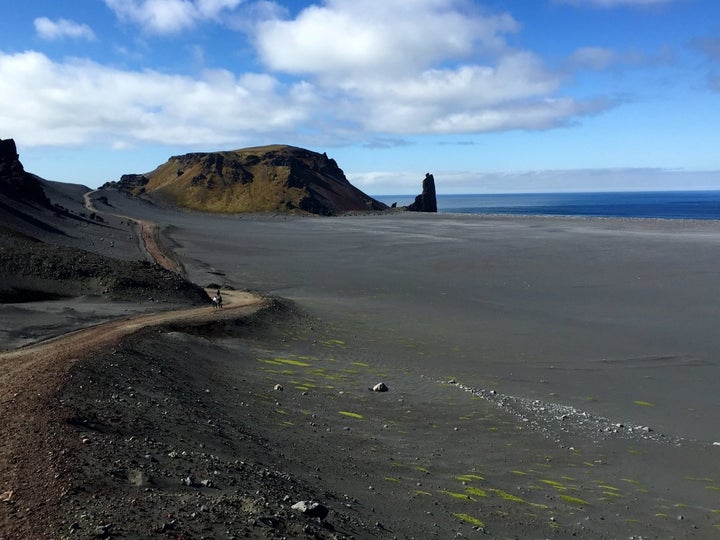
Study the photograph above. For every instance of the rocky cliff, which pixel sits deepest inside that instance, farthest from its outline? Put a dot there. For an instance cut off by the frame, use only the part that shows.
(262, 179)
(16, 184)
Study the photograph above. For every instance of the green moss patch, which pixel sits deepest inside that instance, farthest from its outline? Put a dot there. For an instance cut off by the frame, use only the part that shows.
(574, 500)
(470, 519)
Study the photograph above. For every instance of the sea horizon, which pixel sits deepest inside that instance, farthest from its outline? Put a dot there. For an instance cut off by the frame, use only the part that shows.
(677, 204)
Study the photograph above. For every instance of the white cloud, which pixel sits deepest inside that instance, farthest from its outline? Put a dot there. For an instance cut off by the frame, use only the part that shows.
(430, 66)
(170, 16)
(344, 71)
(62, 28)
(47, 103)
(346, 36)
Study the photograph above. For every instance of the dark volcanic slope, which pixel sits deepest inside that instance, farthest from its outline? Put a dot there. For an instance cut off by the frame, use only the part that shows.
(52, 247)
(274, 178)
(31, 270)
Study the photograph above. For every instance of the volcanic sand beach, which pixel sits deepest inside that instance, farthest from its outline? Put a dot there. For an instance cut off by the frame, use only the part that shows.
(548, 377)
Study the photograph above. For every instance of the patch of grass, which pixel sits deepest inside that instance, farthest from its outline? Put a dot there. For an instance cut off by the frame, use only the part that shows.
(507, 496)
(284, 361)
(694, 479)
(351, 414)
(333, 342)
(392, 479)
(469, 477)
(574, 500)
(556, 485)
(472, 520)
(643, 403)
(603, 485)
(630, 481)
(475, 491)
(456, 495)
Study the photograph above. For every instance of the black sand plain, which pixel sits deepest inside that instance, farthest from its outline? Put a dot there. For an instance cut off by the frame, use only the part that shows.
(548, 377)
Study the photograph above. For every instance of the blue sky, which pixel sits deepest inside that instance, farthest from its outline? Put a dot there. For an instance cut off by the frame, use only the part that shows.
(489, 96)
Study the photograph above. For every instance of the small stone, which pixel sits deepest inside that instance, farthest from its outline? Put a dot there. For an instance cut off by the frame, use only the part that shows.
(380, 387)
(188, 481)
(102, 531)
(278, 388)
(311, 509)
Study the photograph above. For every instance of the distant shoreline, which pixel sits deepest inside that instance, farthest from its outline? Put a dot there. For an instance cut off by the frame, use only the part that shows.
(678, 205)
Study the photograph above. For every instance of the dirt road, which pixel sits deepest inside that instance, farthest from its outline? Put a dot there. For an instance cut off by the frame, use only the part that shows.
(31, 445)
(33, 439)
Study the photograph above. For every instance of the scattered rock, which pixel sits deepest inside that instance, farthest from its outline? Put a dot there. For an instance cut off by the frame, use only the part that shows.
(102, 531)
(188, 481)
(380, 387)
(278, 388)
(311, 509)
(139, 478)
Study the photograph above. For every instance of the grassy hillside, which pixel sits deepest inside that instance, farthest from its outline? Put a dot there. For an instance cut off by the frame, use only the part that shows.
(273, 178)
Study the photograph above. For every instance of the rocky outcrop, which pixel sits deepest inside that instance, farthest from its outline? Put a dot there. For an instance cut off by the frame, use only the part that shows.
(15, 183)
(427, 200)
(274, 178)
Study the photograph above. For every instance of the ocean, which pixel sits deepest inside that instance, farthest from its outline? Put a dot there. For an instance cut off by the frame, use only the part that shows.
(704, 205)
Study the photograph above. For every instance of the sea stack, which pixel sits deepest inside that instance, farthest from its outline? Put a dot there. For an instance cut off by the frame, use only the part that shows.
(427, 200)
